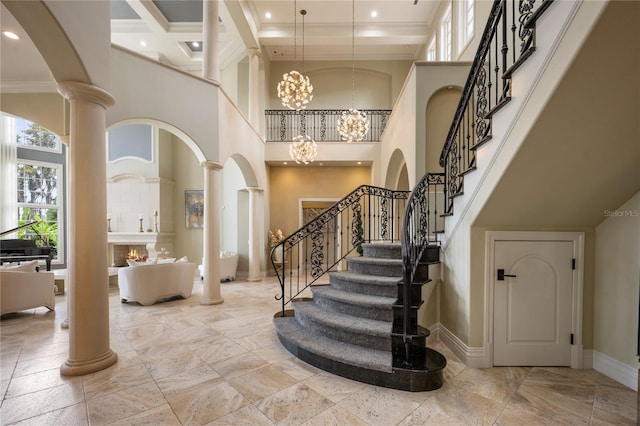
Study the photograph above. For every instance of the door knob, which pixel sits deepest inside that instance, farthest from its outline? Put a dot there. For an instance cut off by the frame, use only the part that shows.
(501, 275)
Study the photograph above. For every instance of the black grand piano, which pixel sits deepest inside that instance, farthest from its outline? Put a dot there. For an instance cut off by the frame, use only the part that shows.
(16, 250)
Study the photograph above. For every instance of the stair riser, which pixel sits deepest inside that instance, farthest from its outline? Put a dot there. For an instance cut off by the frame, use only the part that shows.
(360, 311)
(382, 251)
(364, 288)
(369, 266)
(354, 337)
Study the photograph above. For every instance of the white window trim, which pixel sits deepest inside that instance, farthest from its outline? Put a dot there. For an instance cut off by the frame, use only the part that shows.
(444, 31)
(58, 207)
(432, 54)
(465, 32)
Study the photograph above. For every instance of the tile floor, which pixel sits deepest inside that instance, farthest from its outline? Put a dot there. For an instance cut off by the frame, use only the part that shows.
(183, 363)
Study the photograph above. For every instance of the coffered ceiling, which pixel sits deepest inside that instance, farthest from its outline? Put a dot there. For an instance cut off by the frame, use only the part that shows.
(167, 29)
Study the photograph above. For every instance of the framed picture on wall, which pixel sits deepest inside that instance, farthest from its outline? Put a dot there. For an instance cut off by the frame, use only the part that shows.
(194, 208)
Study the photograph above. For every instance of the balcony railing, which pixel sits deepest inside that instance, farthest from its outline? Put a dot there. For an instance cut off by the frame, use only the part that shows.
(320, 124)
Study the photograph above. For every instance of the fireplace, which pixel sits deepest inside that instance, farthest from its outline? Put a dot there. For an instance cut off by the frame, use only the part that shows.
(145, 244)
(122, 252)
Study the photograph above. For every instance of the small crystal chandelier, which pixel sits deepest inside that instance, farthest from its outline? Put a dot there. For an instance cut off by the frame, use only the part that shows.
(353, 125)
(303, 149)
(295, 90)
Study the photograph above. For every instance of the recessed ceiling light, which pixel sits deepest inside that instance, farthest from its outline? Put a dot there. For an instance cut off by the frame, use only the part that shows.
(143, 43)
(11, 35)
(374, 14)
(359, 162)
(195, 44)
(285, 163)
(267, 15)
(320, 164)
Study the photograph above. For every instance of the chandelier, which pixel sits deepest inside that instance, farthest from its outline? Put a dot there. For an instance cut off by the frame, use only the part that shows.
(303, 149)
(353, 125)
(295, 90)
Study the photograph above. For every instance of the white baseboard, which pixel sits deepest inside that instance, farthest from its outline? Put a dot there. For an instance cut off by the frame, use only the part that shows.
(478, 357)
(618, 371)
(474, 357)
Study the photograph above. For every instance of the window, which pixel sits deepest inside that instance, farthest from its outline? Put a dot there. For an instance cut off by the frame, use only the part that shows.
(431, 50)
(33, 136)
(445, 35)
(465, 23)
(39, 198)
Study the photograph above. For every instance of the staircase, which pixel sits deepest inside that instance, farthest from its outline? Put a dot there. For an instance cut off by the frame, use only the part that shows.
(347, 328)
(364, 325)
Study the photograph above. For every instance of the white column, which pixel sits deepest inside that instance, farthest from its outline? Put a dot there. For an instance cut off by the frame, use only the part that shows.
(254, 87)
(87, 274)
(211, 238)
(254, 233)
(210, 36)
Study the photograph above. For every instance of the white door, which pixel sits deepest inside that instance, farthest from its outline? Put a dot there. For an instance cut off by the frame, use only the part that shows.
(533, 303)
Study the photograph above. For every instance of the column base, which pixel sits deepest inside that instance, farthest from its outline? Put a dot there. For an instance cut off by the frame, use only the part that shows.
(80, 368)
(65, 324)
(254, 279)
(216, 301)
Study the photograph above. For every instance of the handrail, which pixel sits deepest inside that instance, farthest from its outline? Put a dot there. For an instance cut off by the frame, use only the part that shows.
(368, 213)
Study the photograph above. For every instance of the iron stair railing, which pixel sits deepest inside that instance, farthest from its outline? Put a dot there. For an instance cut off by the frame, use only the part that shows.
(367, 214)
(508, 40)
(487, 89)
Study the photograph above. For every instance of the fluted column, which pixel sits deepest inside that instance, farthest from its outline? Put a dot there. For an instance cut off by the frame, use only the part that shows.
(87, 274)
(211, 240)
(254, 87)
(210, 48)
(254, 233)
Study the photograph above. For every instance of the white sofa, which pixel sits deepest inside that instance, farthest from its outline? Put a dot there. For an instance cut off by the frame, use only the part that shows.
(147, 284)
(228, 266)
(21, 290)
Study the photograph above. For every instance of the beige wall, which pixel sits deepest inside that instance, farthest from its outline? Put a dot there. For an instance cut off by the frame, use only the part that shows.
(187, 174)
(377, 83)
(289, 184)
(617, 275)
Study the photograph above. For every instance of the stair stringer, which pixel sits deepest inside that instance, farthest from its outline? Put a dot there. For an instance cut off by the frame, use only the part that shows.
(560, 33)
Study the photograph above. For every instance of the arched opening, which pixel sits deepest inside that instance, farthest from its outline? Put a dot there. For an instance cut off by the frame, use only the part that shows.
(438, 117)
(397, 175)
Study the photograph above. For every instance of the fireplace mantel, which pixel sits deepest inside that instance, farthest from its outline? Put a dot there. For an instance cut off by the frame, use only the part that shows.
(154, 241)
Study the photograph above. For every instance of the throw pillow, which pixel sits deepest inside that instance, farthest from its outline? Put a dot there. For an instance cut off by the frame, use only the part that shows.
(23, 267)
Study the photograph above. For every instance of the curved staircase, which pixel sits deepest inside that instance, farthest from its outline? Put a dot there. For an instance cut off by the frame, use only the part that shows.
(347, 327)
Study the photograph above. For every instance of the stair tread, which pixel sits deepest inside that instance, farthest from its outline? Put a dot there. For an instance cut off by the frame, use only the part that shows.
(378, 260)
(332, 349)
(343, 321)
(366, 279)
(353, 298)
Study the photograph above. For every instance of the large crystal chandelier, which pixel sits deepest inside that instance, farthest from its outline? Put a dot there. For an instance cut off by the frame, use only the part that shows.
(353, 125)
(295, 90)
(303, 149)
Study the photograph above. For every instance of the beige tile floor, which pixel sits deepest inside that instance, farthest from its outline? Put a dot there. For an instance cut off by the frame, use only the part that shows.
(183, 363)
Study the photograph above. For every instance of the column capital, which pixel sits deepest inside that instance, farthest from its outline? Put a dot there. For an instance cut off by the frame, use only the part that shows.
(254, 189)
(73, 90)
(211, 165)
(254, 51)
